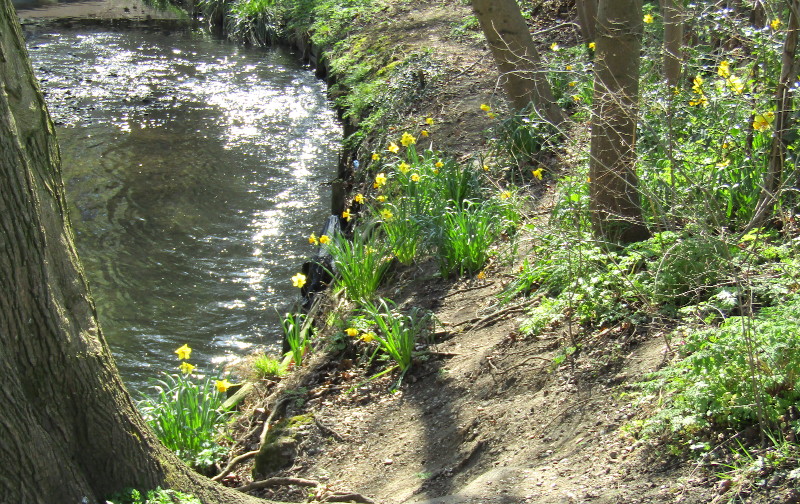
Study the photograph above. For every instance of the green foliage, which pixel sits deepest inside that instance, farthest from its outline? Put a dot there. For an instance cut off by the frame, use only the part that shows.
(397, 332)
(267, 366)
(726, 375)
(296, 330)
(156, 496)
(360, 264)
(185, 414)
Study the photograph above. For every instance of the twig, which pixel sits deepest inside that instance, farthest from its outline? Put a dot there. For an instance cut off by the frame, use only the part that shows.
(256, 485)
(233, 462)
(328, 430)
(484, 321)
(467, 289)
(348, 497)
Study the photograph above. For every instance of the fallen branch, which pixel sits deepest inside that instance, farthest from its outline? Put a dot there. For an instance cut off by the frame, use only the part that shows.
(256, 485)
(348, 497)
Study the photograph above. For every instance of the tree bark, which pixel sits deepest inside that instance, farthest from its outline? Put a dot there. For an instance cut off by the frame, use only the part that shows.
(614, 196)
(672, 12)
(587, 19)
(69, 431)
(516, 57)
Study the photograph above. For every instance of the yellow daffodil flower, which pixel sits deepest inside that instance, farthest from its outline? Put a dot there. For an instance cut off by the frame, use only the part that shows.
(700, 101)
(424, 133)
(481, 275)
(346, 215)
(351, 331)
(381, 198)
(485, 108)
(505, 194)
(572, 84)
(404, 167)
(299, 280)
(724, 163)
(724, 69)
(485, 167)
(775, 24)
(568, 68)
(184, 352)
(429, 121)
(491, 115)
(186, 368)
(376, 156)
(735, 83)
(367, 337)
(386, 214)
(380, 180)
(415, 177)
(222, 385)
(554, 47)
(407, 139)
(763, 122)
(313, 239)
(647, 18)
(576, 98)
(438, 164)
(393, 148)
(324, 239)
(359, 199)
(592, 46)
(697, 86)
(537, 173)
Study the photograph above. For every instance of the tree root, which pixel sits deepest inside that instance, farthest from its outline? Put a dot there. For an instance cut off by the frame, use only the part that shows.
(323, 496)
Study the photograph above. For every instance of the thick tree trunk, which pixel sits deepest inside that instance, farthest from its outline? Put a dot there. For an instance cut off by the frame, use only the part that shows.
(69, 431)
(587, 19)
(614, 196)
(672, 12)
(516, 57)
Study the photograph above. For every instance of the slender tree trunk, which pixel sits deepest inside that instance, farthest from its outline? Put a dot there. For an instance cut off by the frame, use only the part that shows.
(614, 196)
(782, 121)
(587, 19)
(69, 432)
(516, 57)
(672, 12)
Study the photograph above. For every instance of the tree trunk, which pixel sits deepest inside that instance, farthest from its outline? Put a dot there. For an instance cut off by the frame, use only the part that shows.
(614, 196)
(587, 19)
(69, 431)
(672, 11)
(782, 122)
(516, 57)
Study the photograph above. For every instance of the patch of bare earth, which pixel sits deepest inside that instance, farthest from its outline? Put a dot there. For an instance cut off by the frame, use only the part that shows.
(484, 416)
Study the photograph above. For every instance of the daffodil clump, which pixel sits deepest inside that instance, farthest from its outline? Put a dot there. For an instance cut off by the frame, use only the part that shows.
(186, 412)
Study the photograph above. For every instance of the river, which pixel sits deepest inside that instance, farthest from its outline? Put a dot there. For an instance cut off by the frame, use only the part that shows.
(195, 170)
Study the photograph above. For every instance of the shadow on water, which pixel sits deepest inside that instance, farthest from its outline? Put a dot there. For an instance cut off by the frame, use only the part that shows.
(195, 170)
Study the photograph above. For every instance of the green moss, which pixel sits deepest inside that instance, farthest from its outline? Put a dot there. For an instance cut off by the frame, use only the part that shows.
(280, 445)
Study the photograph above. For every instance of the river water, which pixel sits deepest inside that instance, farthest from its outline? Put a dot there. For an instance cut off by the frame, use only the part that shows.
(195, 170)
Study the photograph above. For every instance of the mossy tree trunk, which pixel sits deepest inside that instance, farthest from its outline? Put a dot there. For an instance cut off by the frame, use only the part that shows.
(69, 431)
(613, 188)
(516, 57)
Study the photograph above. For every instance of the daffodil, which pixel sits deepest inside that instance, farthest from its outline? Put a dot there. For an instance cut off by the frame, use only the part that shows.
(386, 214)
(491, 115)
(351, 331)
(404, 167)
(724, 69)
(568, 68)
(299, 280)
(647, 18)
(700, 101)
(429, 121)
(222, 385)
(184, 352)
(376, 156)
(554, 47)
(324, 239)
(775, 23)
(735, 83)
(572, 83)
(186, 368)
(407, 139)
(415, 177)
(592, 46)
(424, 133)
(697, 84)
(724, 163)
(485, 167)
(381, 198)
(346, 215)
(438, 164)
(485, 108)
(576, 98)
(763, 122)
(505, 194)
(380, 180)
(537, 173)
(481, 275)
(367, 337)
(359, 199)
(393, 148)
(313, 239)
